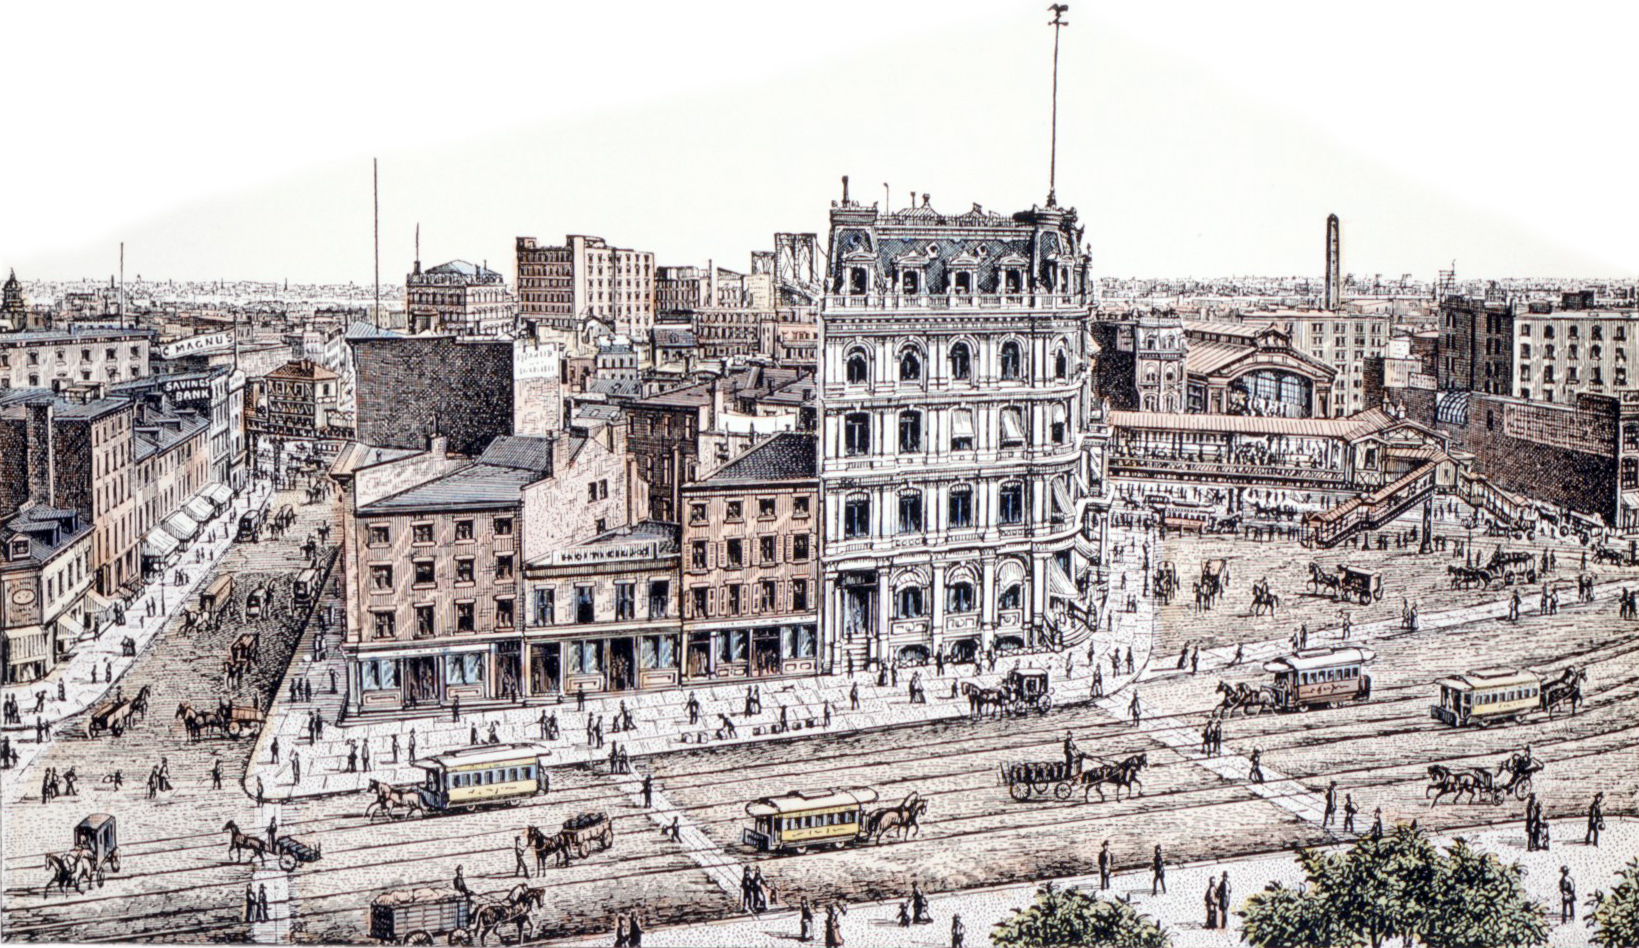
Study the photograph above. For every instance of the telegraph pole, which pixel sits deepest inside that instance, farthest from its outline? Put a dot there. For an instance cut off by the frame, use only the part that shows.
(1058, 10)
(375, 190)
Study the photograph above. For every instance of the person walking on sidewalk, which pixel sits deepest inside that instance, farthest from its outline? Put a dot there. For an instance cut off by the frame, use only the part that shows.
(1254, 770)
(216, 774)
(1158, 871)
(395, 748)
(412, 743)
(261, 902)
(273, 751)
(648, 791)
(958, 934)
(853, 697)
(1223, 899)
(693, 708)
(1106, 865)
(1567, 896)
(1135, 709)
(1211, 902)
(295, 769)
(1596, 819)
(519, 867)
(1331, 805)
(273, 833)
(364, 752)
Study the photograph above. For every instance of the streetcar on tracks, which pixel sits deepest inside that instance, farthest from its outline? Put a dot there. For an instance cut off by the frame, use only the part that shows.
(1487, 696)
(305, 588)
(250, 525)
(1320, 677)
(216, 596)
(481, 775)
(797, 821)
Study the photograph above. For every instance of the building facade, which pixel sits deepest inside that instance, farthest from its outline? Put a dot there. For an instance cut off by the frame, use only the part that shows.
(80, 356)
(459, 297)
(569, 288)
(956, 432)
(297, 400)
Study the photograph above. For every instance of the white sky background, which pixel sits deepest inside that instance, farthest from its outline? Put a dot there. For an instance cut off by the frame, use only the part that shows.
(1196, 138)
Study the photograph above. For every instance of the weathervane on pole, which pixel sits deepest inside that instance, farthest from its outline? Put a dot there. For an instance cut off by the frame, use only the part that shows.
(1058, 10)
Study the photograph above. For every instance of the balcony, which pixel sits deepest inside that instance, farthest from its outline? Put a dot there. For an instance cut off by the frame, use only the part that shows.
(1059, 302)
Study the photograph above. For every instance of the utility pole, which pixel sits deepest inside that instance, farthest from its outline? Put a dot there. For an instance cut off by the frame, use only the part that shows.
(375, 189)
(1058, 10)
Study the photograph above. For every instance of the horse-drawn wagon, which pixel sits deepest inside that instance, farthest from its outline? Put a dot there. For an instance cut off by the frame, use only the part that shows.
(95, 854)
(256, 602)
(243, 720)
(246, 649)
(1359, 584)
(583, 831)
(293, 852)
(113, 715)
(416, 916)
(1038, 778)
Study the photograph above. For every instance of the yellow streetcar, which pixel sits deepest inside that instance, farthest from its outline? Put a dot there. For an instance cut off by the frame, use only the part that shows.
(796, 821)
(483, 775)
(1486, 696)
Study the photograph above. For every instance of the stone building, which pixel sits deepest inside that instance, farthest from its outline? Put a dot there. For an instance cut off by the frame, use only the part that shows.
(81, 355)
(458, 297)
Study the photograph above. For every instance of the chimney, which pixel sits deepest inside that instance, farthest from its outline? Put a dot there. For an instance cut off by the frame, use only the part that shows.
(716, 417)
(845, 189)
(439, 446)
(42, 473)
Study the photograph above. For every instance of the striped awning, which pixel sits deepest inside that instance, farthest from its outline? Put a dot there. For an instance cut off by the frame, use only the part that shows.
(219, 493)
(199, 508)
(159, 544)
(181, 526)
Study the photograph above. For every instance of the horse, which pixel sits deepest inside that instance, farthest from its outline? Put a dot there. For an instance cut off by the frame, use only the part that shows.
(1264, 600)
(1122, 774)
(978, 699)
(558, 844)
(1322, 581)
(389, 797)
(1567, 687)
(519, 903)
(67, 869)
(904, 818)
(1443, 780)
(1604, 555)
(239, 841)
(139, 704)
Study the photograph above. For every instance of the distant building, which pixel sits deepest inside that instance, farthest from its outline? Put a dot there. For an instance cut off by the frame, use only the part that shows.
(14, 315)
(573, 289)
(77, 356)
(459, 297)
(297, 400)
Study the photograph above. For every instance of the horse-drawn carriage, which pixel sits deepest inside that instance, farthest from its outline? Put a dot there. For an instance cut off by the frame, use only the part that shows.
(1483, 784)
(583, 831)
(1214, 577)
(1164, 584)
(116, 714)
(1019, 692)
(417, 916)
(1359, 584)
(95, 854)
(243, 720)
(257, 601)
(1026, 780)
(293, 852)
(246, 649)
(1512, 568)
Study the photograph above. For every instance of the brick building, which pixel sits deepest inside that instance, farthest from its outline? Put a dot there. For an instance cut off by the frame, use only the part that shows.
(567, 289)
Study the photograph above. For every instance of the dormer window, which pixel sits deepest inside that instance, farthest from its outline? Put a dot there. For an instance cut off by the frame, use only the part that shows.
(19, 547)
(858, 281)
(1012, 281)
(910, 282)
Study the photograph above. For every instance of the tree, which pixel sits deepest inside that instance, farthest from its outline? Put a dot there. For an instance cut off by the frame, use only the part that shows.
(1070, 917)
(1616, 918)
(1397, 886)
(1477, 902)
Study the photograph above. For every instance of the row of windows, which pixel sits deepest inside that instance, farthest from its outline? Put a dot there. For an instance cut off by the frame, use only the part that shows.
(480, 778)
(856, 511)
(816, 820)
(910, 602)
(733, 551)
(384, 624)
(1596, 332)
(544, 603)
(32, 356)
(1328, 674)
(960, 359)
(380, 534)
(856, 430)
(733, 599)
(1499, 697)
(426, 571)
(1596, 375)
(1571, 352)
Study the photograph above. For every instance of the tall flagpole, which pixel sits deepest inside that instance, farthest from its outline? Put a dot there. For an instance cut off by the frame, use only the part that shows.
(1058, 10)
(375, 190)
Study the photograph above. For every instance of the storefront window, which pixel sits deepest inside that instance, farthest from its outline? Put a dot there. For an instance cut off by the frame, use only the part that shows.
(465, 668)
(380, 673)
(659, 651)
(799, 641)
(731, 646)
(586, 658)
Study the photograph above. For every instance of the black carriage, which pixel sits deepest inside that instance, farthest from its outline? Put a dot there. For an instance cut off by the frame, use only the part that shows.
(1027, 691)
(1038, 778)
(97, 836)
(293, 852)
(1361, 585)
(416, 916)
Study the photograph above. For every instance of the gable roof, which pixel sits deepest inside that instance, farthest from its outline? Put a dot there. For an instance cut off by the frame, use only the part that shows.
(787, 456)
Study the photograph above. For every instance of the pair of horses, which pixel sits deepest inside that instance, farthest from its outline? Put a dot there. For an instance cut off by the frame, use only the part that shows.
(1246, 698)
(199, 722)
(1122, 774)
(77, 868)
(393, 802)
(903, 819)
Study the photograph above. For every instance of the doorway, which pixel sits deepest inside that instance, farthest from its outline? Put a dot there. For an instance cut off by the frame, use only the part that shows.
(545, 668)
(509, 672)
(699, 658)
(622, 664)
(765, 651)
(421, 679)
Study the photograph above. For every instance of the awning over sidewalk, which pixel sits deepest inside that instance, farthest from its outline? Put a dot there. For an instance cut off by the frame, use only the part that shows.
(67, 627)
(28, 643)
(96, 606)
(1060, 585)
(199, 508)
(159, 544)
(219, 493)
(181, 526)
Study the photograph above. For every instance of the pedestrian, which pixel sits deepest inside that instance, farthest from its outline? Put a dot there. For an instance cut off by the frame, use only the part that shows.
(1223, 899)
(580, 697)
(1596, 819)
(648, 791)
(1129, 660)
(1097, 690)
(1254, 771)
(412, 743)
(805, 921)
(1331, 805)
(364, 752)
(472, 734)
(957, 932)
(455, 709)
(1195, 660)
(261, 901)
(542, 723)
(493, 738)
(853, 697)
(1513, 607)
(1349, 811)
(1211, 903)
(827, 714)
(919, 905)
(216, 774)
(597, 730)
(153, 779)
(1106, 865)
(460, 884)
(519, 867)
(904, 915)
(295, 768)
(352, 757)
(634, 932)
(250, 903)
(1158, 871)
(833, 927)
(1567, 896)
(273, 751)
(1240, 654)
(395, 748)
(1135, 709)
(1377, 823)
(693, 708)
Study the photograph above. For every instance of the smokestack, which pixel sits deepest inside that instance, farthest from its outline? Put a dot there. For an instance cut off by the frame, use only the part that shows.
(845, 189)
(1334, 265)
(42, 472)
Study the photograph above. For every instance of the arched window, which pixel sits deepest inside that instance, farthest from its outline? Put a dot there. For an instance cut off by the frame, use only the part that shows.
(1011, 508)
(1012, 361)
(1011, 598)
(910, 366)
(859, 368)
(961, 361)
(856, 433)
(910, 602)
(910, 431)
(959, 597)
(1061, 366)
(856, 517)
(961, 429)
(960, 507)
(910, 511)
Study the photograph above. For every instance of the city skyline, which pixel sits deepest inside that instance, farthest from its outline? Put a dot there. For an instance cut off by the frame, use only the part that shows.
(1182, 161)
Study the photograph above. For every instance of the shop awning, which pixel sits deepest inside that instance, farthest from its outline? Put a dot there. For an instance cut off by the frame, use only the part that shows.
(181, 526)
(28, 643)
(1060, 585)
(159, 544)
(67, 627)
(95, 605)
(199, 508)
(220, 494)
(1087, 547)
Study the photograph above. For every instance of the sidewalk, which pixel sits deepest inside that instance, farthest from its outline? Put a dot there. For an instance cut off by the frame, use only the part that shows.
(1180, 909)
(104, 652)
(660, 719)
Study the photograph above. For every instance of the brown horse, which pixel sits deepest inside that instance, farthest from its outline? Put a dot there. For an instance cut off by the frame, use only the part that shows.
(544, 846)
(515, 910)
(980, 699)
(239, 841)
(1123, 775)
(904, 818)
(390, 800)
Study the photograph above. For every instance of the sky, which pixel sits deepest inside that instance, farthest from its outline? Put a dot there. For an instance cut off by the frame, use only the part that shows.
(1195, 138)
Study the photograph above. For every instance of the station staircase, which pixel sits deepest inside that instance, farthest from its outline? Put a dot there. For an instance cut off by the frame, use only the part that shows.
(1371, 511)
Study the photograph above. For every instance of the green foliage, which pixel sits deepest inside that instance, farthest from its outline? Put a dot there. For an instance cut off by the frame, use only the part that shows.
(1616, 920)
(1072, 917)
(1397, 887)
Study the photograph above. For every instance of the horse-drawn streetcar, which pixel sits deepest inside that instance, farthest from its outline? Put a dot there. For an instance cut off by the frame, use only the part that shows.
(1501, 695)
(417, 916)
(796, 821)
(481, 775)
(1320, 677)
